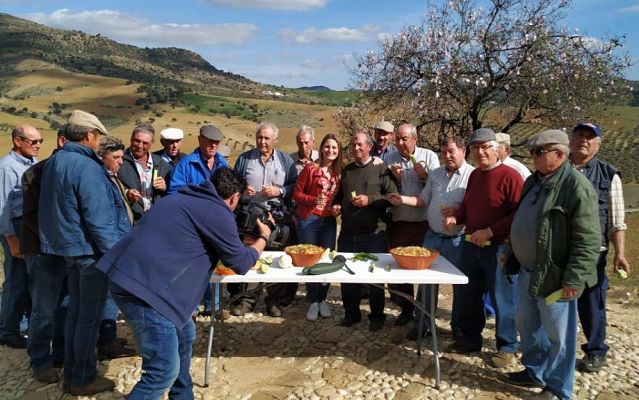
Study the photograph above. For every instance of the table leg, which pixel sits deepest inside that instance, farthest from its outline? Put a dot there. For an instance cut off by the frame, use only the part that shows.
(209, 348)
(433, 329)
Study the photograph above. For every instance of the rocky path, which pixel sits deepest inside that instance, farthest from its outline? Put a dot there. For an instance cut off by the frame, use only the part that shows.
(265, 358)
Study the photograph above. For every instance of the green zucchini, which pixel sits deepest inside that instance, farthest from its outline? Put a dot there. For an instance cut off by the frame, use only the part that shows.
(325, 268)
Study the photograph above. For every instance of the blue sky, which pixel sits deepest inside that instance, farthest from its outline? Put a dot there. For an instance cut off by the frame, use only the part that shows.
(284, 42)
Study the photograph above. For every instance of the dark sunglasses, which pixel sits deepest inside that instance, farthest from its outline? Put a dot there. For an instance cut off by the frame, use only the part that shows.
(32, 142)
(538, 151)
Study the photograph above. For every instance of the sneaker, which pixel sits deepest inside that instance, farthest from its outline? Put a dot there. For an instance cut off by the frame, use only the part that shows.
(501, 359)
(324, 310)
(521, 378)
(46, 375)
(114, 349)
(313, 312)
(592, 363)
(99, 384)
(15, 342)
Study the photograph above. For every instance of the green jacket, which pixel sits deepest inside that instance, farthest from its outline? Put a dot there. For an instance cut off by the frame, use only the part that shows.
(569, 233)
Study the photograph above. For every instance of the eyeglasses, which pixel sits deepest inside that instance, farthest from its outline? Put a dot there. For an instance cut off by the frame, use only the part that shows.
(538, 151)
(32, 142)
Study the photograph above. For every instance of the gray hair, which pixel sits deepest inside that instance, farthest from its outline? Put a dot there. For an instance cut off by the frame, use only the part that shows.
(307, 129)
(267, 125)
(76, 133)
(109, 144)
(144, 127)
(411, 129)
(17, 132)
(562, 147)
(368, 137)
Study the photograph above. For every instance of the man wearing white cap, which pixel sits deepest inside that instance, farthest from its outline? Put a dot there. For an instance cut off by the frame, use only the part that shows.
(383, 145)
(171, 140)
(504, 155)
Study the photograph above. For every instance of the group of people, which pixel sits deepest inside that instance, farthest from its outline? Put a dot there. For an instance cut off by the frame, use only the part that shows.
(103, 227)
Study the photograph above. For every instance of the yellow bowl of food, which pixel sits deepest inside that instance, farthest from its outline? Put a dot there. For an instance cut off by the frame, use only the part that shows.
(413, 257)
(304, 255)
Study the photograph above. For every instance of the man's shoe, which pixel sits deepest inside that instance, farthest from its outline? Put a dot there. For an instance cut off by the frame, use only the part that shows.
(222, 315)
(242, 308)
(404, 318)
(348, 321)
(66, 387)
(99, 384)
(592, 363)
(463, 347)
(412, 334)
(122, 340)
(521, 378)
(544, 395)
(15, 342)
(375, 325)
(46, 375)
(273, 311)
(324, 310)
(313, 312)
(501, 359)
(114, 349)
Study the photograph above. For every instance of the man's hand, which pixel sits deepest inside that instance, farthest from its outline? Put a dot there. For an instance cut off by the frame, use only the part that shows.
(620, 263)
(396, 170)
(361, 200)
(449, 222)
(14, 246)
(420, 170)
(271, 191)
(133, 195)
(394, 198)
(567, 292)
(262, 228)
(250, 191)
(448, 211)
(336, 210)
(159, 184)
(481, 236)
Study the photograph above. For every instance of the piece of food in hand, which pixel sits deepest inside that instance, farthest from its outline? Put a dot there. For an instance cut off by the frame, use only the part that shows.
(285, 261)
(622, 273)
(353, 194)
(468, 239)
(413, 159)
(222, 270)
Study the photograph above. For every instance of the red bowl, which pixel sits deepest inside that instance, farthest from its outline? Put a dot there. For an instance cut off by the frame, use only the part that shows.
(414, 262)
(304, 260)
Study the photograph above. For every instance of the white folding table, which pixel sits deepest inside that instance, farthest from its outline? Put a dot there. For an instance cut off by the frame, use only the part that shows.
(441, 272)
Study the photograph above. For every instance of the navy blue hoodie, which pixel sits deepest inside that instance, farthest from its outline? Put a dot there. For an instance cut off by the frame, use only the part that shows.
(167, 258)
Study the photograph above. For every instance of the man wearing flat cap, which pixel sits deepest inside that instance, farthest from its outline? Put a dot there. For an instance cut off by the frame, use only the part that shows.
(383, 145)
(81, 216)
(198, 166)
(145, 175)
(487, 210)
(171, 140)
(605, 178)
(555, 239)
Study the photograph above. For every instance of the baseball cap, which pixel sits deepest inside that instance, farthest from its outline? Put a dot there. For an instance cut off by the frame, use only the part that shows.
(589, 126)
(551, 136)
(212, 133)
(481, 135)
(503, 138)
(83, 118)
(384, 126)
(172, 134)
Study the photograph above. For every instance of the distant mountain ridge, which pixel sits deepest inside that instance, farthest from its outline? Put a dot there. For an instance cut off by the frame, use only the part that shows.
(315, 88)
(23, 40)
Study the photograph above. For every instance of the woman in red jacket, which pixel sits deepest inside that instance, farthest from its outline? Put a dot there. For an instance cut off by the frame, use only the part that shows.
(314, 193)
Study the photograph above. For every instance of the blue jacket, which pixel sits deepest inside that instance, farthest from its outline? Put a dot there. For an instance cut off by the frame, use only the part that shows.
(192, 170)
(167, 259)
(81, 211)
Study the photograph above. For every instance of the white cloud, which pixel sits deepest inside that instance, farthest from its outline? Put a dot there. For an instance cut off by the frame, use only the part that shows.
(341, 34)
(294, 5)
(634, 8)
(128, 28)
(312, 63)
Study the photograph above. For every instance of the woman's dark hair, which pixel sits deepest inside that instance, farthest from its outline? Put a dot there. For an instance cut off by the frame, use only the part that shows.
(227, 182)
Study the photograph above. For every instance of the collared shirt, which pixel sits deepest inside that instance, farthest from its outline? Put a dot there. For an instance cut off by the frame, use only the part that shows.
(299, 165)
(410, 183)
(12, 167)
(376, 152)
(146, 180)
(517, 166)
(259, 174)
(442, 190)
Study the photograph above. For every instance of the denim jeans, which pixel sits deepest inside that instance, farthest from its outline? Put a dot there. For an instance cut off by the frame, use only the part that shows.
(548, 338)
(108, 326)
(165, 349)
(87, 294)
(450, 249)
(505, 306)
(16, 301)
(371, 242)
(322, 232)
(592, 311)
(48, 287)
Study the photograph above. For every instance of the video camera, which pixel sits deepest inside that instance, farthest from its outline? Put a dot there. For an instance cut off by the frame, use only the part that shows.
(248, 212)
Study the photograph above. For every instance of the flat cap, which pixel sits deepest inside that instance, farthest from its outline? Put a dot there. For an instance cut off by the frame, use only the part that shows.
(502, 137)
(82, 118)
(551, 136)
(481, 135)
(172, 134)
(589, 126)
(224, 150)
(384, 126)
(212, 133)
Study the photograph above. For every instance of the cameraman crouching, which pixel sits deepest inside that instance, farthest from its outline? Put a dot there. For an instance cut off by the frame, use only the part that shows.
(159, 271)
